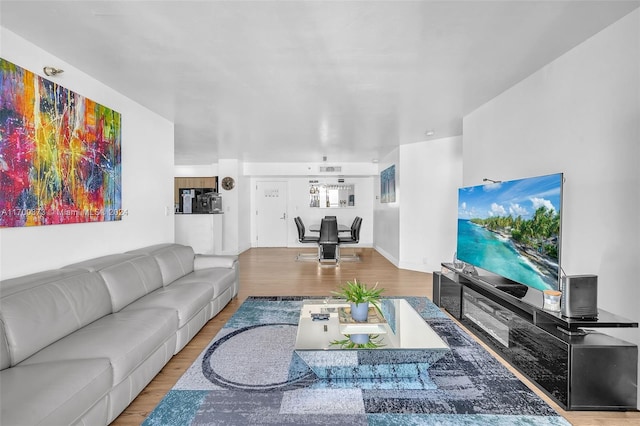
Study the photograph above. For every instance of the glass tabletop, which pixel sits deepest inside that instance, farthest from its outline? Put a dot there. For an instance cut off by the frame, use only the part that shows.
(315, 227)
(399, 326)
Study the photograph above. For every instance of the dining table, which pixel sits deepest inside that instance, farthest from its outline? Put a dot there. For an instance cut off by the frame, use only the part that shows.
(341, 228)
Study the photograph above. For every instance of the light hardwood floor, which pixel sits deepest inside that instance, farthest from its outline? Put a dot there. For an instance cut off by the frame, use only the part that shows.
(275, 272)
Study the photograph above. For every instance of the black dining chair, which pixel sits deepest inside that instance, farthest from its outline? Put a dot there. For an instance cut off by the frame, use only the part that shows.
(329, 248)
(350, 230)
(353, 238)
(354, 235)
(303, 238)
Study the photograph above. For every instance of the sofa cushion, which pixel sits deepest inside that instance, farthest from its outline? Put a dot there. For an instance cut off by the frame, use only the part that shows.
(128, 276)
(49, 308)
(98, 263)
(126, 338)
(187, 301)
(218, 278)
(55, 393)
(175, 260)
(130, 280)
(23, 283)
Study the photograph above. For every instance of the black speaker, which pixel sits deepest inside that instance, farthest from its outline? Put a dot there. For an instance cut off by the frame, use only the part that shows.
(579, 296)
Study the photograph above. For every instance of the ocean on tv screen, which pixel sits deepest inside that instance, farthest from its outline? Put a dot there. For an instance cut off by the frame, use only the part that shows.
(512, 229)
(487, 250)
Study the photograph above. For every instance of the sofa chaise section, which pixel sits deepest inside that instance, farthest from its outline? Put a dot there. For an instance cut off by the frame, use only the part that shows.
(56, 393)
(37, 312)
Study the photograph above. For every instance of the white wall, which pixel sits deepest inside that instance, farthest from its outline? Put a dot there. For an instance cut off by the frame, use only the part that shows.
(245, 201)
(309, 169)
(196, 170)
(431, 173)
(578, 115)
(233, 203)
(147, 186)
(386, 216)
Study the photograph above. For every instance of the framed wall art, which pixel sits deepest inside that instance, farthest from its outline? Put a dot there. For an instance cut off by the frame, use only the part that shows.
(60, 154)
(388, 185)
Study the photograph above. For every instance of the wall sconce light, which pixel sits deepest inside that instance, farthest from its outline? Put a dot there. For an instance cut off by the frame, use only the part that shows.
(51, 71)
(491, 180)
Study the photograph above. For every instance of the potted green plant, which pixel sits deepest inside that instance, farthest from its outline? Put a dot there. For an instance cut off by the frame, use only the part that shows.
(360, 296)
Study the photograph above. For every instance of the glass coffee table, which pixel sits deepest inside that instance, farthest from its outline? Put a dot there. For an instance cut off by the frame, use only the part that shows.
(404, 344)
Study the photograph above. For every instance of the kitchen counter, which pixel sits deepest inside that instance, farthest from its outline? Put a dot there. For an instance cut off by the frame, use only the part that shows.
(202, 231)
(197, 213)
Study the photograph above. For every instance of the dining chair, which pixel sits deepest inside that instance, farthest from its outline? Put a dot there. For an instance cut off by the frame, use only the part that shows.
(353, 238)
(303, 238)
(329, 242)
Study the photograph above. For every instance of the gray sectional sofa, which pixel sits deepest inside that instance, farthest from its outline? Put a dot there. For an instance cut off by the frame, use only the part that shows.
(77, 344)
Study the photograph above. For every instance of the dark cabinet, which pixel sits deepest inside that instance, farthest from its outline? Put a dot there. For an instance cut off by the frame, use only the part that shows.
(447, 293)
(581, 370)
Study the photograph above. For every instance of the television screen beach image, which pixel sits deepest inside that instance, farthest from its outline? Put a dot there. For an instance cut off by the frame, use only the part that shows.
(512, 229)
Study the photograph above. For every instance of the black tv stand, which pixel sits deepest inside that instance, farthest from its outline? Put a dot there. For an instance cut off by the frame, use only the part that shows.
(578, 367)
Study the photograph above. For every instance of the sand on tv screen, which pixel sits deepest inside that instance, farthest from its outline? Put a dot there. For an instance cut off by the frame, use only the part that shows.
(512, 229)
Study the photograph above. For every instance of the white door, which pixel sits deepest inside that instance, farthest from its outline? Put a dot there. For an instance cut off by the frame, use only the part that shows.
(271, 210)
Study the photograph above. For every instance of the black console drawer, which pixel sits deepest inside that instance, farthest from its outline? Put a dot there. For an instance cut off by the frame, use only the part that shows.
(539, 355)
(447, 293)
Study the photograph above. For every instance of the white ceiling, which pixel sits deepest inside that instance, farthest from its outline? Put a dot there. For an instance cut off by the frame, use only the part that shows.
(299, 80)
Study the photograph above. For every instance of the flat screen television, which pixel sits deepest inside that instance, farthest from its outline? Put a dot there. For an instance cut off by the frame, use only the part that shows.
(512, 229)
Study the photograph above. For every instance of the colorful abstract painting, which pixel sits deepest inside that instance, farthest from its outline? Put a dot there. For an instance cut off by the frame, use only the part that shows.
(59, 154)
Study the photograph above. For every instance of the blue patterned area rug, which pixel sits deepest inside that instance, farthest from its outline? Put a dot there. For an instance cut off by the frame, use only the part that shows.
(250, 375)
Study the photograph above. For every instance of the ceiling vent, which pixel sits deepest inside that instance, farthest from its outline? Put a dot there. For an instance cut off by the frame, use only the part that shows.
(330, 169)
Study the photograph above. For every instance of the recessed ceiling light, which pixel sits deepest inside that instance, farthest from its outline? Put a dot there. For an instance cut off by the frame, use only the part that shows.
(429, 133)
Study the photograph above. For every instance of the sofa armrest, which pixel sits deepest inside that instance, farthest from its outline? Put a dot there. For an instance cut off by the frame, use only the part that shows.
(203, 261)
